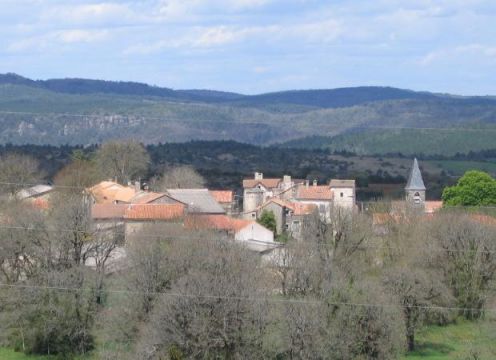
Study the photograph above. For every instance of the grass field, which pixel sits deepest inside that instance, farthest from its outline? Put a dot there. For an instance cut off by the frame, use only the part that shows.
(461, 341)
(7, 354)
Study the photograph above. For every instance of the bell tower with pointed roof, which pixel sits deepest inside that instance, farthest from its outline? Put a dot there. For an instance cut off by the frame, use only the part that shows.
(415, 188)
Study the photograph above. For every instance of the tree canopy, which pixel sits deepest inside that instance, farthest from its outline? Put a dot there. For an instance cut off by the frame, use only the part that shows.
(268, 220)
(122, 160)
(475, 188)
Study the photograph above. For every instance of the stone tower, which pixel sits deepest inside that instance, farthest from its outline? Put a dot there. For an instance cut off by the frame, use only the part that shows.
(415, 188)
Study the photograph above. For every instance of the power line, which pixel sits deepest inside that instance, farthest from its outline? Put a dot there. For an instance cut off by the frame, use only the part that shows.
(244, 298)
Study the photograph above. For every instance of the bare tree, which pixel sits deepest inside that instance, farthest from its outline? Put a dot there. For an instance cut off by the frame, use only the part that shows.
(21, 237)
(18, 171)
(122, 160)
(360, 324)
(185, 177)
(216, 309)
(467, 259)
(418, 293)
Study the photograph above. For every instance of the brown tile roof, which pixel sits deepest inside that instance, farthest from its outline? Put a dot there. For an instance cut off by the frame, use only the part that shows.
(218, 222)
(107, 192)
(341, 183)
(319, 192)
(267, 183)
(137, 211)
(222, 196)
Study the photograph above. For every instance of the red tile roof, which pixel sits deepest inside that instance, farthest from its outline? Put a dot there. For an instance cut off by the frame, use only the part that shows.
(318, 192)
(267, 183)
(222, 196)
(108, 211)
(41, 203)
(218, 222)
(297, 208)
(433, 206)
(138, 211)
(303, 209)
(154, 211)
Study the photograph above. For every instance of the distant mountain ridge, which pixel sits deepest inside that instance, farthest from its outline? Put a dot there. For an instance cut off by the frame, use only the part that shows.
(81, 111)
(326, 98)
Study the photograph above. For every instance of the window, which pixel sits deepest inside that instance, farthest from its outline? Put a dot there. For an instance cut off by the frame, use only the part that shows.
(341, 194)
(253, 215)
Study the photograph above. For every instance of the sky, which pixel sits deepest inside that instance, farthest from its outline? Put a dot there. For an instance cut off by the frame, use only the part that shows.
(256, 46)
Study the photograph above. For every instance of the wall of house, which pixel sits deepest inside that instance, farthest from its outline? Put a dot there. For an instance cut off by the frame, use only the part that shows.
(344, 197)
(252, 199)
(167, 227)
(254, 231)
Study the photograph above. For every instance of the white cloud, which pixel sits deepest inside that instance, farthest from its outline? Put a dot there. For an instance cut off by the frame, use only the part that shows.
(77, 36)
(261, 69)
(87, 14)
(478, 50)
(56, 38)
(218, 36)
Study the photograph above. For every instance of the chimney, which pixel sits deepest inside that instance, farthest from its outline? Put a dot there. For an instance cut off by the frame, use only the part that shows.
(137, 186)
(314, 182)
(258, 176)
(307, 182)
(286, 179)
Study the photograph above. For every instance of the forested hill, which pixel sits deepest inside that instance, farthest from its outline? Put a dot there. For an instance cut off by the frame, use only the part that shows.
(80, 111)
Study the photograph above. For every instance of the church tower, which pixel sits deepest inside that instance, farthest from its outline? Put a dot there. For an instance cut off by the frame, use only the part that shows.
(415, 188)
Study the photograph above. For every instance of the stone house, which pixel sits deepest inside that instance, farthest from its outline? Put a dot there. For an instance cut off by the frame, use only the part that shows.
(130, 218)
(343, 193)
(319, 195)
(38, 196)
(290, 216)
(258, 190)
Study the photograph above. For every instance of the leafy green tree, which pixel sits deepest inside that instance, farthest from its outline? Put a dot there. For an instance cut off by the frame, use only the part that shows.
(475, 188)
(268, 220)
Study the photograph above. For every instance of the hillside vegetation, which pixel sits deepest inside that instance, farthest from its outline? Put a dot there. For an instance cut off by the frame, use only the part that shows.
(78, 111)
(446, 141)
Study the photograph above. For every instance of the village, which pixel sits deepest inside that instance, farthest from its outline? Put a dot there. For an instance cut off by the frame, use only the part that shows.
(292, 204)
